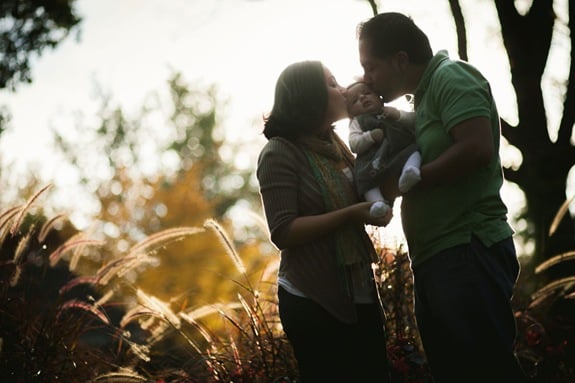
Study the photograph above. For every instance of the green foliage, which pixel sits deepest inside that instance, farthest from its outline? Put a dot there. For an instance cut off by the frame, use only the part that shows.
(189, 182)
(199, 141)
(169, 140)
(27, 28)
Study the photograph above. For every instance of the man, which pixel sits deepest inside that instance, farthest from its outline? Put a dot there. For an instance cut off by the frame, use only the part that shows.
(455, 222)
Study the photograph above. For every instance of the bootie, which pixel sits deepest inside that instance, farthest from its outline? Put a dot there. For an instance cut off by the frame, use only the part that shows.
(378, 209)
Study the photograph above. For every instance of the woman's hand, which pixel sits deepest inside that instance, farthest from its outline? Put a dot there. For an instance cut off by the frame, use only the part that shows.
(362, 215)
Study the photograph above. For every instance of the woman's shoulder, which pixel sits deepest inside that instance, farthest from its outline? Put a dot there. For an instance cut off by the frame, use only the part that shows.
(278, 147)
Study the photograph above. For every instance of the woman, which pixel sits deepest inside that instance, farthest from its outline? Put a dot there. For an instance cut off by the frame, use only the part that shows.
(328, 303)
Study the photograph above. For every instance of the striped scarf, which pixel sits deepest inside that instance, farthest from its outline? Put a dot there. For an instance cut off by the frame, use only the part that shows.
(329, 158)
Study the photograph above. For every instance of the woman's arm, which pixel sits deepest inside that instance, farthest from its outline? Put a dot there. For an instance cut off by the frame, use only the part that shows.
(306, 229)
(279, 173)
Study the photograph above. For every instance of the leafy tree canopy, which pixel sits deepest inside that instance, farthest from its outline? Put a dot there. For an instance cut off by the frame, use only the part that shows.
(27, 27)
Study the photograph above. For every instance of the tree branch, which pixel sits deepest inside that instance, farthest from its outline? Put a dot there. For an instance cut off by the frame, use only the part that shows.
(566, 126)
(373, 5)
(460, 28)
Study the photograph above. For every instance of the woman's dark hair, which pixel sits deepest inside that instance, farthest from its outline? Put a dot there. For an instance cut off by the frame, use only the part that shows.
(300, 101)
(391, 32)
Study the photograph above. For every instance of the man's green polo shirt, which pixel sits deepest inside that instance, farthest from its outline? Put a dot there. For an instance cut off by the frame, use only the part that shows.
(441, 217)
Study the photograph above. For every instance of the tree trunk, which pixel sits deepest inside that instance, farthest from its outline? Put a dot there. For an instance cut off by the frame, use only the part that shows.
(543, 172)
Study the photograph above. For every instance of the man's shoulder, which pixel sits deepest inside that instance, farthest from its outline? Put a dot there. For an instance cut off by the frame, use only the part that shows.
(455, 68)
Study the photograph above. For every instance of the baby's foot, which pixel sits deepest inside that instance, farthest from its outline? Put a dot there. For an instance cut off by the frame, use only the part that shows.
(409, 177)
(378, 209)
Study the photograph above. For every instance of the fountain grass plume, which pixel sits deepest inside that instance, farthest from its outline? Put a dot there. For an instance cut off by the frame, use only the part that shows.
(162, 238)
(47, 226)
(5, 219)
(562, 285)
(21, 248)
(25, 208)
(563, 209)
(260, 222)
(207, 310)
(8, 214)
(139, 253)
(126, 376)
(569, 255)
(193, 316)
(76, 304)
(87, 279)
(23, 244)
(72, 243)
(229, 247)
(159, 306)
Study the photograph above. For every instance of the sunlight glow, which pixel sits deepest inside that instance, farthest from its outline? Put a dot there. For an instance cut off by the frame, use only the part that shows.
(240, 47)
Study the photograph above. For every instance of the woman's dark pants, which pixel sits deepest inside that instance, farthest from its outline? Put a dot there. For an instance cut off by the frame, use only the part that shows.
(328, 350)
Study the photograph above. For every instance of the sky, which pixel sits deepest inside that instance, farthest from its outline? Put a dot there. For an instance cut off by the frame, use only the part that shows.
(129, 48)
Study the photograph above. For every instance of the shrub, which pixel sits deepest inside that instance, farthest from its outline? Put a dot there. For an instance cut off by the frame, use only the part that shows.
(56, 326)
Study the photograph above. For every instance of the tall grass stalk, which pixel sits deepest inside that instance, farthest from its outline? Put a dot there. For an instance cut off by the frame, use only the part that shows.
(139, 254)
(49, 317)
(25, 208)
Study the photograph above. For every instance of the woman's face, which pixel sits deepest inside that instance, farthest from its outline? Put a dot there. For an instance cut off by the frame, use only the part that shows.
(336, 104)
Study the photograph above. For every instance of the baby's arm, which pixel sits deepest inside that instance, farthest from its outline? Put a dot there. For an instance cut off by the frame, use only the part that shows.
(405, 117)
(410, 174)
(360, 141)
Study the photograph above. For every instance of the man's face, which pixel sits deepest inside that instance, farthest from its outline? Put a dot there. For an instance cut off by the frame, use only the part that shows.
(381, 74)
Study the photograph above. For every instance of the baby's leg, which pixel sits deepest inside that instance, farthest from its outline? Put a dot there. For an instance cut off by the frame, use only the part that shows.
(410, 174)
(379, 208)
(373, 195)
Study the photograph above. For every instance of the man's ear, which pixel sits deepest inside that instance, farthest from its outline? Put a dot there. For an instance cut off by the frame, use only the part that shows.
(402, 59)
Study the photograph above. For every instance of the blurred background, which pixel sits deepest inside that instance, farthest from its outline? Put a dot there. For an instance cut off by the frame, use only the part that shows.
(121, 55)
(131, 126)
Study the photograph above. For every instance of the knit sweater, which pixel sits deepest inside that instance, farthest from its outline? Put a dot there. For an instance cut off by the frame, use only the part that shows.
(288, 190)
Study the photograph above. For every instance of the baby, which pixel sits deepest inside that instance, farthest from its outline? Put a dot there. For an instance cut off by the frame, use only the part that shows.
(383, 139)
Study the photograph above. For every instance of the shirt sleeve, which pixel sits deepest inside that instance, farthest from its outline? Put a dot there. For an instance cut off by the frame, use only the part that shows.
(463, 92)
(359, 141)
(277, 175)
